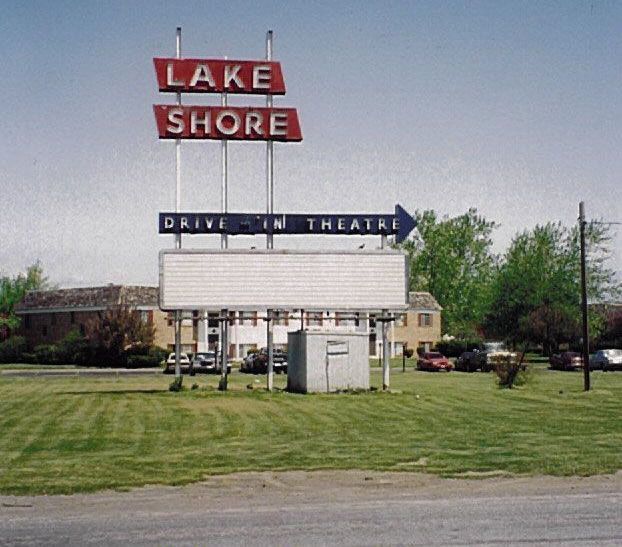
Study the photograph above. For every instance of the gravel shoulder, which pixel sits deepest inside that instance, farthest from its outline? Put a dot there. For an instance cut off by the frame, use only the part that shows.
(285, 488)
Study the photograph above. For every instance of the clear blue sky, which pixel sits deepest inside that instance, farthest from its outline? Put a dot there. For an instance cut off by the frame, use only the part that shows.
(514, 108)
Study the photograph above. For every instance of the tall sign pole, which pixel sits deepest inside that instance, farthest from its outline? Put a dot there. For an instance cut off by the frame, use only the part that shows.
(270, 211)
(224, 244)
(178, 209)
(586, 341)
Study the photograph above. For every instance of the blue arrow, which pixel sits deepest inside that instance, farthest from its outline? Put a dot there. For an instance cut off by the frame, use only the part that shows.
(406, 223)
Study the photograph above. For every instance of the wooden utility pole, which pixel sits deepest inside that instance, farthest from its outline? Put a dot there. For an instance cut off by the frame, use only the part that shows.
(586, 345)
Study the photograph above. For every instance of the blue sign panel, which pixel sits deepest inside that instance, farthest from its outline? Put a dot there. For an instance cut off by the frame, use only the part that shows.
(399, 224)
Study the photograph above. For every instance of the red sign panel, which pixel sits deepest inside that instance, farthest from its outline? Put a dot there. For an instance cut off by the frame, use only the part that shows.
(219, 76)
(227, 122)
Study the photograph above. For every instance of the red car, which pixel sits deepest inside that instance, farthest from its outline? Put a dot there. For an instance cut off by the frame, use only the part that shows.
(433, 361)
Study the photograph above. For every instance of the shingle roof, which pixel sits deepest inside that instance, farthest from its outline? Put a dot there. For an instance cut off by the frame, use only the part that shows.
(90, 297)
(422, 301)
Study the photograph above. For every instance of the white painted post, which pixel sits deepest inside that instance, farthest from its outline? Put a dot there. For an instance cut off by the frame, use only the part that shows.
(385, 352)
(177, 210)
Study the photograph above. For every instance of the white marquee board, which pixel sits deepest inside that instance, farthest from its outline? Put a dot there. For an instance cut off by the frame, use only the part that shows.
(279, 279)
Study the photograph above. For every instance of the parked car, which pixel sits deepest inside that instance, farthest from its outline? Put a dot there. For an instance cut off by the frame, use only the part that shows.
(204, 361)
(257, 363)
(567, 360)
(485, 360)
(247, 364)
(607, 359)
(470, 361)
(433, 361)
(184, 362)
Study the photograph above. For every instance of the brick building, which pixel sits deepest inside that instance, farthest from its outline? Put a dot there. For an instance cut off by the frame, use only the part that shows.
(48, 316)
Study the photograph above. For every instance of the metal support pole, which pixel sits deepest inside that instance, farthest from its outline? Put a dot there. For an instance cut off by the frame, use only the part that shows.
(224, 194)
(302, 320)
(586, 339)
(270, 336)
(178, 344)
(224, 349)
(177, 210)
(270, 211)
(269, 156)
(385, 352)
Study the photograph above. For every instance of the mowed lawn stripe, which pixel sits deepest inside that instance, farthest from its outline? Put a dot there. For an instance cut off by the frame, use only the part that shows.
(81, 434)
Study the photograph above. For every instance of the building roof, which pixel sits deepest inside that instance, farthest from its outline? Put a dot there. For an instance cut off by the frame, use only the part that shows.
(422, 301)
(89, 297)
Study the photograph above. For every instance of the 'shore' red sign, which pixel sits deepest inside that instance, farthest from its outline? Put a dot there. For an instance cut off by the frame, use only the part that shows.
(219, 76)
(227, 122)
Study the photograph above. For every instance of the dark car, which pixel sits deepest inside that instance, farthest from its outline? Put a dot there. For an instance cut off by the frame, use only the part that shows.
(470, 361)
(433, 361)
(259, 364)
(567, 360)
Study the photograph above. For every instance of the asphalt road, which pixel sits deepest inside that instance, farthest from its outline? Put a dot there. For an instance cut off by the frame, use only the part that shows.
(327, 508)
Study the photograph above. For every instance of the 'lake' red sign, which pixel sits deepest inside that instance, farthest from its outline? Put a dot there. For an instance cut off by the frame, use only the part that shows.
(219, 76)
(227, 122)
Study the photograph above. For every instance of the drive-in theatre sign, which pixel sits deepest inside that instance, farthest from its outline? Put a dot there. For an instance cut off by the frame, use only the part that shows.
(224, 279)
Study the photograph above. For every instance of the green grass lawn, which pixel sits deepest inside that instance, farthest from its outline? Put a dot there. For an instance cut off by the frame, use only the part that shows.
(63, 435)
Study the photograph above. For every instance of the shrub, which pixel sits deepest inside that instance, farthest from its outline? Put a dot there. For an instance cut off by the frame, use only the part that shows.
(48, 354)
(74, 349)
(408, 352)
(11, 349)
(176, 384)
(509, 372)
(143, 361)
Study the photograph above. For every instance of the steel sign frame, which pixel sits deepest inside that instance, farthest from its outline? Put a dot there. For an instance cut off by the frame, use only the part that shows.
(354, 275)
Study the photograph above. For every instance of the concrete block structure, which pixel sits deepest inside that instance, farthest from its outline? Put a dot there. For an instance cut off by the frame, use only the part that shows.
(327, 361)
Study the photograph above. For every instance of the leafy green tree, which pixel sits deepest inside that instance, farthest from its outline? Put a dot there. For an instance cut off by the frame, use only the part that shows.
(13, 290)
(536, 294)
(456, 265)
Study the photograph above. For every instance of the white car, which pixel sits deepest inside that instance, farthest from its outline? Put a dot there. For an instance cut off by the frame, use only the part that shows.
(184, 361)
(607, 359)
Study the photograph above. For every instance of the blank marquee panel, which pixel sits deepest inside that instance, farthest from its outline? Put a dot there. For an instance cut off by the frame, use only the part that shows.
(275, 279)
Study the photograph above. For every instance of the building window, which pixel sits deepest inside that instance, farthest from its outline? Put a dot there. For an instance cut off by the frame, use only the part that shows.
(357, 319)
(401, 320)
(44, 330)
(170, 319)
(337, 318)
(27, 322)
(82, 329)
(372, 321)
(231, 318)
(281, 318)
(425, 319)
(144, 317)
(72, 317)
(314, 319)
(248, 318)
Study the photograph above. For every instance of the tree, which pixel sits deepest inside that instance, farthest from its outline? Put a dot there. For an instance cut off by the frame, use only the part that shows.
(12, 292)
(536, 294)
(456, 265)
(117, 332)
